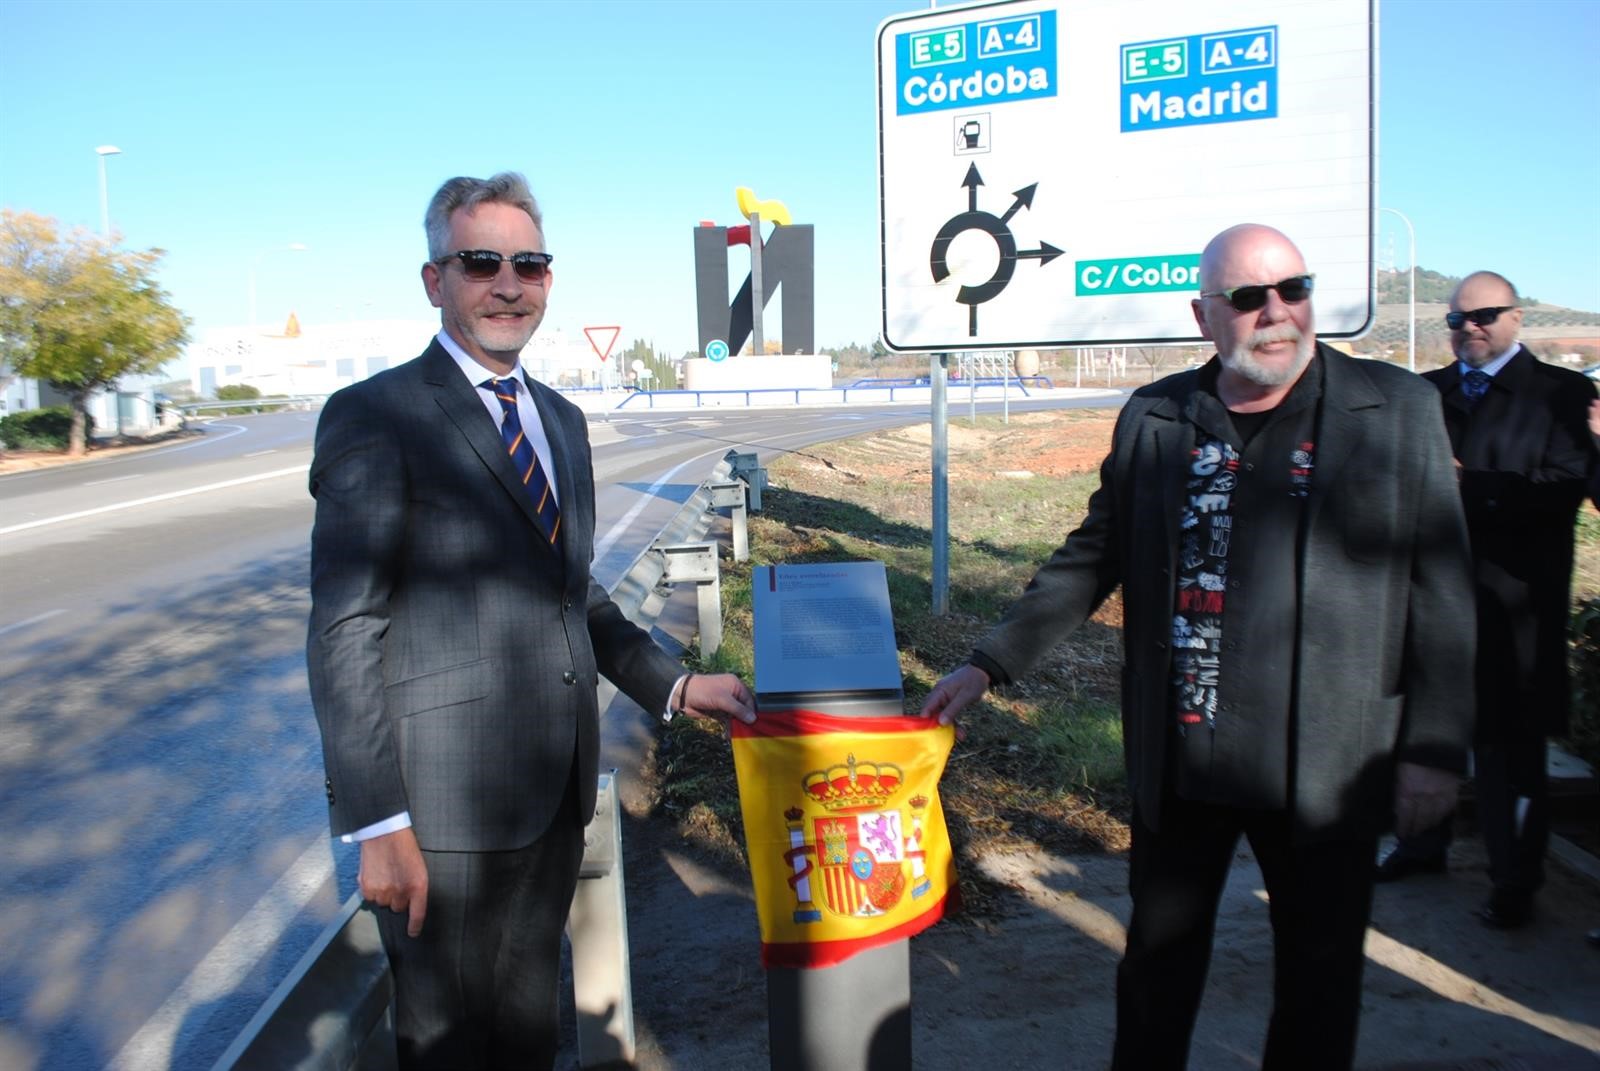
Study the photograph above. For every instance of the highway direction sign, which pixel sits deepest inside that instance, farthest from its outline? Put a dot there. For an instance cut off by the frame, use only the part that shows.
(1049, 170)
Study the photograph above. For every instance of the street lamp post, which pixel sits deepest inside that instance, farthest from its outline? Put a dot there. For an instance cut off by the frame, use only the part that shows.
(293, 247)
(104, 151)
(1411, 334)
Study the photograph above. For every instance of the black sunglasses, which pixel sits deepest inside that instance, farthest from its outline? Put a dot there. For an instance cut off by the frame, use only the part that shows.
(1292, 290)
(1482, 317)
(481, 265)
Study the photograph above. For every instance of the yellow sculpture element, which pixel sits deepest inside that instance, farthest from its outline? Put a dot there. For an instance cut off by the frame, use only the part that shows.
(292, 328)
(770, 211)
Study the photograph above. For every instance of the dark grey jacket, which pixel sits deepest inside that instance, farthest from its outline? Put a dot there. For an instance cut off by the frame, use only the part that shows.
(1525, 456)
(1385, 633)
(453, 653)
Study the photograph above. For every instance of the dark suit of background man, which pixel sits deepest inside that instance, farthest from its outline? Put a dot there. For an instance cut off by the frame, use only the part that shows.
(1518, 429)
(456, 642)
(1285, 527)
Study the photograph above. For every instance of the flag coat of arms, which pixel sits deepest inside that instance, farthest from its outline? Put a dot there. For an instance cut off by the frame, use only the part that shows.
(846, 837)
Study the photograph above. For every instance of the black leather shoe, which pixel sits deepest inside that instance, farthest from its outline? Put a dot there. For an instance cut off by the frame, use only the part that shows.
(1507, 909)
(1397, 865)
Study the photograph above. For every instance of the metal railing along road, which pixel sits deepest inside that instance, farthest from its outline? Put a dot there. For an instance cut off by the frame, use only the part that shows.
(755, 396)
(252, 405)
(861, 389)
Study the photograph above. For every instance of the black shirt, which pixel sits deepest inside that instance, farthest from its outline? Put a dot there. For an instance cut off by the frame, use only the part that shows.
(1240, 755)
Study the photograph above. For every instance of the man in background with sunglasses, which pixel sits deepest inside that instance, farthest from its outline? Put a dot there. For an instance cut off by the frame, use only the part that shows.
(1518, 430)
(1285, 527)
(456, 642)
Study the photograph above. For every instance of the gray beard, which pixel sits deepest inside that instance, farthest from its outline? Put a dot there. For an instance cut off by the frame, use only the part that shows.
(1242, 363)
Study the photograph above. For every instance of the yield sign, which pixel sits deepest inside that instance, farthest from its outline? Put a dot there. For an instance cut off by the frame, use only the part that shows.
(599, 335)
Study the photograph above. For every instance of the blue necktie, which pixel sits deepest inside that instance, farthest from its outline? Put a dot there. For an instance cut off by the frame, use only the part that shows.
(1474, 384)
(525, 459)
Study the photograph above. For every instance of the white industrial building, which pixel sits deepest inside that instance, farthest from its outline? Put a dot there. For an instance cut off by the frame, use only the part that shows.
(131, 409)
(318, 359)
(311, 360)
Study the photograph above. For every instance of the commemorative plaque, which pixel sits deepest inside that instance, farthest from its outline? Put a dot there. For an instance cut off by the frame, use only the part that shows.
(824, 639)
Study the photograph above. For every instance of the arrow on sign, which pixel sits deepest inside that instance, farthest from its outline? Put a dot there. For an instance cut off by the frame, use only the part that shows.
(1024, 199)
(595, 334)
(972, 182)
(1044, 254)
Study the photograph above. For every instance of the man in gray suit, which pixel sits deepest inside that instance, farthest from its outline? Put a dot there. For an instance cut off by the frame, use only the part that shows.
(1285, 527)
(456, 642)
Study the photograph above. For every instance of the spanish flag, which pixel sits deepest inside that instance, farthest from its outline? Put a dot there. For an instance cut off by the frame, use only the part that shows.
(847, 843)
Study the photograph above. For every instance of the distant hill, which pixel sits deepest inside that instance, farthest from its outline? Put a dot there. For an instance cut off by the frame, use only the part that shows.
(1394, 288)
(1574, 330)
(1431, 286)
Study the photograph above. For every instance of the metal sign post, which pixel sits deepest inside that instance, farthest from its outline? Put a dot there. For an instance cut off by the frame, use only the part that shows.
(938, 368)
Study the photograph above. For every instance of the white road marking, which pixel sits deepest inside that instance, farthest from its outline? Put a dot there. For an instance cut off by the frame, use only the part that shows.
(34, 620)
(114, 479)
(260, 453)
(233, 429)
(614, 533)
(155, 498)
(260, 928)
(161, 451)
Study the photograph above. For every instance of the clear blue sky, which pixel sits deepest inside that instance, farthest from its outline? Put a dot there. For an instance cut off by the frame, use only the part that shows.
(248, 126)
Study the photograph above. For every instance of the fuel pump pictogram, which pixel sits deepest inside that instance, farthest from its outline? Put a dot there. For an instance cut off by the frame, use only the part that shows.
(995, 227)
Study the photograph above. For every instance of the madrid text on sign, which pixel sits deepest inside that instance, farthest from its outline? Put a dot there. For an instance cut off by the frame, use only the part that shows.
(1223, 77)
(988, 62)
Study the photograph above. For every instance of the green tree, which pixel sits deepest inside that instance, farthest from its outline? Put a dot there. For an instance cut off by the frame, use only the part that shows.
(663, 369)
(79, 314)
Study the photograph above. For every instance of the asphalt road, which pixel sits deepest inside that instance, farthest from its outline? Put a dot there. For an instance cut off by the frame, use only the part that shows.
(161, 815)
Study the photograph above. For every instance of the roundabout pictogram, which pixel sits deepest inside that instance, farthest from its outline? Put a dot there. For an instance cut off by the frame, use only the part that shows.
(996, 227)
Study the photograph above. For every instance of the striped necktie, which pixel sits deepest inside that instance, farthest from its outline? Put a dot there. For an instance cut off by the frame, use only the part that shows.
(525, 459)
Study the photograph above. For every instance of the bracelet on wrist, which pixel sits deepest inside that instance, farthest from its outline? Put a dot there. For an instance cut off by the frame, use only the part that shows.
(675, 705)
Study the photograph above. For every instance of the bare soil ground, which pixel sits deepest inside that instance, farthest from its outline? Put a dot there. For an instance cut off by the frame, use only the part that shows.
(1026, 976)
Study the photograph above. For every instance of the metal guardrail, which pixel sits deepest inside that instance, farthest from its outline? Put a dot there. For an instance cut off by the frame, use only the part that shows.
(814, 395)
(1038, 382)
(749, 396)
(688, 524)
(254, 405)
(334, 1011)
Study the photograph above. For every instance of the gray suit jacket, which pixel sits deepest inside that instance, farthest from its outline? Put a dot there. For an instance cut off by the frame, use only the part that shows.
(453, 653)
(1385, 640)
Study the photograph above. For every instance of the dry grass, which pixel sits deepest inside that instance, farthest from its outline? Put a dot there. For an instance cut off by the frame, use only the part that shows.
(1040, 763)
